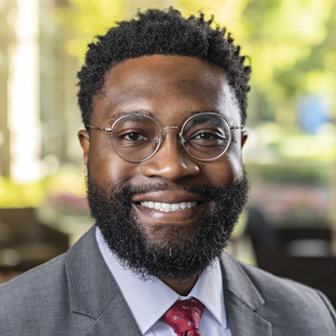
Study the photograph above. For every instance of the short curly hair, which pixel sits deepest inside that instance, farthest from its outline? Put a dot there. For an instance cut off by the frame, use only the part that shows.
(167, 33)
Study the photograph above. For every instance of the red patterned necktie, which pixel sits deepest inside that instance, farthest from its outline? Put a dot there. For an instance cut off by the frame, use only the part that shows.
(184, 317)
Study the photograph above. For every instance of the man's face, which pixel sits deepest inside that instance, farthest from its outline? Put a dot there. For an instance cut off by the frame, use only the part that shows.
(170, 89)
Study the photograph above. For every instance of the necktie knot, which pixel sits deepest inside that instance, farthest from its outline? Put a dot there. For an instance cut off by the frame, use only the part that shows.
(184, 317)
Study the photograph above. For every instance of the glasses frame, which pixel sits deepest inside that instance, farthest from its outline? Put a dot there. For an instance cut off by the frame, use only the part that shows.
(160, 140)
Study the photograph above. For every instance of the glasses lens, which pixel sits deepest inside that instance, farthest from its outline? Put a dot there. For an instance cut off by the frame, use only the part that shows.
(135, 137)
(206, 136)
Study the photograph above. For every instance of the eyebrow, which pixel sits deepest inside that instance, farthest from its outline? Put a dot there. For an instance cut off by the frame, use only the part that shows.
(123, 113)
(151, 114)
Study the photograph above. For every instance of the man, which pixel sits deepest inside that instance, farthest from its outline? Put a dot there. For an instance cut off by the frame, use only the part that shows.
(163, 100)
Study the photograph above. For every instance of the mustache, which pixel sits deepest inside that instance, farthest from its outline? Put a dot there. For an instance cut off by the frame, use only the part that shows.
(208, 192)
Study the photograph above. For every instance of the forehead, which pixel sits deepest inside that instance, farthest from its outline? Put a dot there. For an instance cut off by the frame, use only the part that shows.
(168, 87)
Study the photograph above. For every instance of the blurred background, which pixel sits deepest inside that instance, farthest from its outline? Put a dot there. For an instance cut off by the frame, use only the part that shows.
(290, 224)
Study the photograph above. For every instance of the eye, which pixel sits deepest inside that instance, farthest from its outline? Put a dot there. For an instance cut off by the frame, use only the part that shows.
(205, 139)
(134, 136)
(205, 136)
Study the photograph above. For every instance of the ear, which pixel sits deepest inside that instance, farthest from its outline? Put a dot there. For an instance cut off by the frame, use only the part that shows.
(244, 135)
(84, 140)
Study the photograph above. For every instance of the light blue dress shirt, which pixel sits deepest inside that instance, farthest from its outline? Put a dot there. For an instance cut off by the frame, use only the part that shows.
(149, 300)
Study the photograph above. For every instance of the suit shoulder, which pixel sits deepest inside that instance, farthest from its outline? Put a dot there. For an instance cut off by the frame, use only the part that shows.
(288, 297)
(37, 278)
(34, 296)
(52, 299)
(272, 284)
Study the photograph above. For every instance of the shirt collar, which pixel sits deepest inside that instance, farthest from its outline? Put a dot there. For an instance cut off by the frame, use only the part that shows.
(142, 296)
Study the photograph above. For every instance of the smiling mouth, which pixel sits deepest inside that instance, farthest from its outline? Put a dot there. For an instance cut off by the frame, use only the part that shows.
(169, 207)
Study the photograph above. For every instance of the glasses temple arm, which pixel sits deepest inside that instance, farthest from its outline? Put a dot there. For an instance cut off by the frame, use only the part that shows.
(237, 127)
(99, 128)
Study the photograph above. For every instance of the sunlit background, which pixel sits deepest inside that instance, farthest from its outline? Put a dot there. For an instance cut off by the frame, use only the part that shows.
(290, 154)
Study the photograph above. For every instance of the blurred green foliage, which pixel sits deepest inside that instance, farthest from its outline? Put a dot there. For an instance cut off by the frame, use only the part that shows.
(292, 145)
(285, 174)
(292, 44)
(15, 195)
(67, 182)
(88, 18)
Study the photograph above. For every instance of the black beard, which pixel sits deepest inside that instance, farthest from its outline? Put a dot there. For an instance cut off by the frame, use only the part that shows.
(167, 251)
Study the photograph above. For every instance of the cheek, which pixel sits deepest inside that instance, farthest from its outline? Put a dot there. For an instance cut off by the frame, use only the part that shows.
(235, 162)
(217, 173)
(106, 167)
(224, 170)
(234, 157)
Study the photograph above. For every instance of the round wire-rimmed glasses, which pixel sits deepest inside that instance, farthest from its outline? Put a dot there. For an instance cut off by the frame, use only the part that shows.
(136, 137)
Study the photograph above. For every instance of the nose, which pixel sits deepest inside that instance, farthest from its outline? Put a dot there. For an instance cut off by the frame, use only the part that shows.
(171, 161)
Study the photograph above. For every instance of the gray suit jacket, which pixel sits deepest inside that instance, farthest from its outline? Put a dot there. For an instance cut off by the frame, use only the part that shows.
(75, 294)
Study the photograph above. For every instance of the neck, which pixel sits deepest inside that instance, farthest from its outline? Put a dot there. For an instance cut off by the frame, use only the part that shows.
(181, 287)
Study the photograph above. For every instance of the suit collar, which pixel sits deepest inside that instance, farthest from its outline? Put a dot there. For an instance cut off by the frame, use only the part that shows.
(242, 300)
(94, 292)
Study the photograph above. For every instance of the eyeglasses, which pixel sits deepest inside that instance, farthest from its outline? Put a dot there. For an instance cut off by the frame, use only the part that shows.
(137, 137)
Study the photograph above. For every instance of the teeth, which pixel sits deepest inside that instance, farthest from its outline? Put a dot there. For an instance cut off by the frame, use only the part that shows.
(166, 207)
(175, 207)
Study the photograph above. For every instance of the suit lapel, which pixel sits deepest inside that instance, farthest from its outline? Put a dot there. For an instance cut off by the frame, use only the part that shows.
(94, 292)
(243, 321)
(115, 320)
(242, 300)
